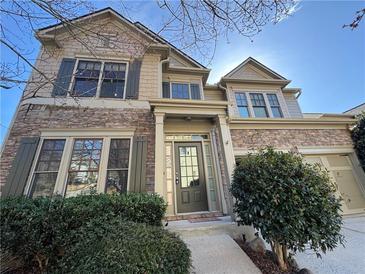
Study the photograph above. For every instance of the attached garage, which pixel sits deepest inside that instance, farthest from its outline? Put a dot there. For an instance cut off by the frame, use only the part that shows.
(348, 177)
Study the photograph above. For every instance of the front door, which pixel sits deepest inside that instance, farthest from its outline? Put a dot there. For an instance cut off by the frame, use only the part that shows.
(191, 193)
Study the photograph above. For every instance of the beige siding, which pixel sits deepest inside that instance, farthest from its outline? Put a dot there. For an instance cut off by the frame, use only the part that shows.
(214, 95)
(293, 105)
(125, 45)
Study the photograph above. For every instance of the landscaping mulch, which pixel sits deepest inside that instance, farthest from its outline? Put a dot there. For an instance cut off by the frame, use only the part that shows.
(265, 262)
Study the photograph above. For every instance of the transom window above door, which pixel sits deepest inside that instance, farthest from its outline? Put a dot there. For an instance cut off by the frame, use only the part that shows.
(181, 90)
(100, 79)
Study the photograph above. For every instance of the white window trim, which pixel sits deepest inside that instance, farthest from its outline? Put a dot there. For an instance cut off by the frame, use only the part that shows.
(266, 99)
(249, 104)
(62, 175)
(186, 83)
(98, 87)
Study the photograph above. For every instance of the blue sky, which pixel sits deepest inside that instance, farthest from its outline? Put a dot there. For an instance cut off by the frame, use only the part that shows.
(310, 48)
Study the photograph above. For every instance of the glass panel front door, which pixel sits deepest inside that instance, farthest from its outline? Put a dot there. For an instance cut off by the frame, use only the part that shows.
(191, 191)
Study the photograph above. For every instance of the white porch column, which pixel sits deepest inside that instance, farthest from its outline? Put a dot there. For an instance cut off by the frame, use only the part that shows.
(227, 146)
(159, 154)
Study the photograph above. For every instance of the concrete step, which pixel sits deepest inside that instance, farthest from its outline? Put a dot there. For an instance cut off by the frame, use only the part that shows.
(223, 226)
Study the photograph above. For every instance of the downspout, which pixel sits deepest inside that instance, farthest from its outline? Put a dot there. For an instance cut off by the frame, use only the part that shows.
(227, 97)
(298, 94)
(160, 75)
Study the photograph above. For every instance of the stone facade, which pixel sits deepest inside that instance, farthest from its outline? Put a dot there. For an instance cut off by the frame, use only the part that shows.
(289, 138)
(32, 118)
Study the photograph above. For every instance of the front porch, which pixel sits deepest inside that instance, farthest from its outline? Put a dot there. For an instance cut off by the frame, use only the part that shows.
(193, 158)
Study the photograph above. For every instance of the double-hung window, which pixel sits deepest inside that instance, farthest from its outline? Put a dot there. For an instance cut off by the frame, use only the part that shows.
(274, 105)
(104, 78)
(118, 163)
(81, 165)
(86, 79)
(46, 170)
(181, 90)
(242, 104)
(113, 80)
(258, 105)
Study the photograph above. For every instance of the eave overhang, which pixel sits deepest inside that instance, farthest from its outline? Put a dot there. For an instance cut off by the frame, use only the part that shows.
(279, 82)
(189, 70)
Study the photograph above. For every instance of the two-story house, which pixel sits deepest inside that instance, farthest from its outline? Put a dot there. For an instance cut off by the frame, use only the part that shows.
(131, 112)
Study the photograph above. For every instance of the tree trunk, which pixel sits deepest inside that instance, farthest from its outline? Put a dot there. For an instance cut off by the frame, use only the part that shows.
(280, 253)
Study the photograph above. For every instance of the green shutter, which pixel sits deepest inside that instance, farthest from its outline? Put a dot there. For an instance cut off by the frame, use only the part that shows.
(134, 72)
(195, 91)
(165, 89)
(22, 163)
(64, 77)
(137, 182)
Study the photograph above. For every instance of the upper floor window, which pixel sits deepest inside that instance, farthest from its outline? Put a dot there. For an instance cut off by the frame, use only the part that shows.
(242, 105)
(86, 78)
(89, 79)
(275, 106)
(258, 105)
(181, 90)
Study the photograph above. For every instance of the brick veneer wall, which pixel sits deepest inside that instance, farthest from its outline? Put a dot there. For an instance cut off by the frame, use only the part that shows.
(289, 138)
(32, 118)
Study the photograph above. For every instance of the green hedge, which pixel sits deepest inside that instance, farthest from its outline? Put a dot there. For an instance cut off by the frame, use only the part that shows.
(41, 230)
(114, 246)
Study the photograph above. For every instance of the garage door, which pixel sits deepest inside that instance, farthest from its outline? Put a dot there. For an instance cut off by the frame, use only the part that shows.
(348, 183)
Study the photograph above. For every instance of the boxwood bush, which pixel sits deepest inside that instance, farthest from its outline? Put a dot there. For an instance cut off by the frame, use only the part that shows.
(115, 246)
(41, 230)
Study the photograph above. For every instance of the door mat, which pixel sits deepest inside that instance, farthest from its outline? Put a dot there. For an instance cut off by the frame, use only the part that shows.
(201, 220)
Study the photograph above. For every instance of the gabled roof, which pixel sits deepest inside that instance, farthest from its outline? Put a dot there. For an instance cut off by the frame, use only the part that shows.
(257, 64)
(136, 25)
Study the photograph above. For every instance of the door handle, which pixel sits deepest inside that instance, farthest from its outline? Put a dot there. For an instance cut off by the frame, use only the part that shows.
(177, 178)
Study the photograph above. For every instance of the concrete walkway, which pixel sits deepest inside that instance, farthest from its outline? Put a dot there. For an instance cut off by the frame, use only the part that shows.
(213, 249)
(349, 259)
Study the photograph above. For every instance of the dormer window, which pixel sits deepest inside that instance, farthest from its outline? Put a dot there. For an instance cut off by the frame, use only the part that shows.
(90, 82)
(180, 91)
(275, 106)
(242, 104)
(258, 105)
(176, 90)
